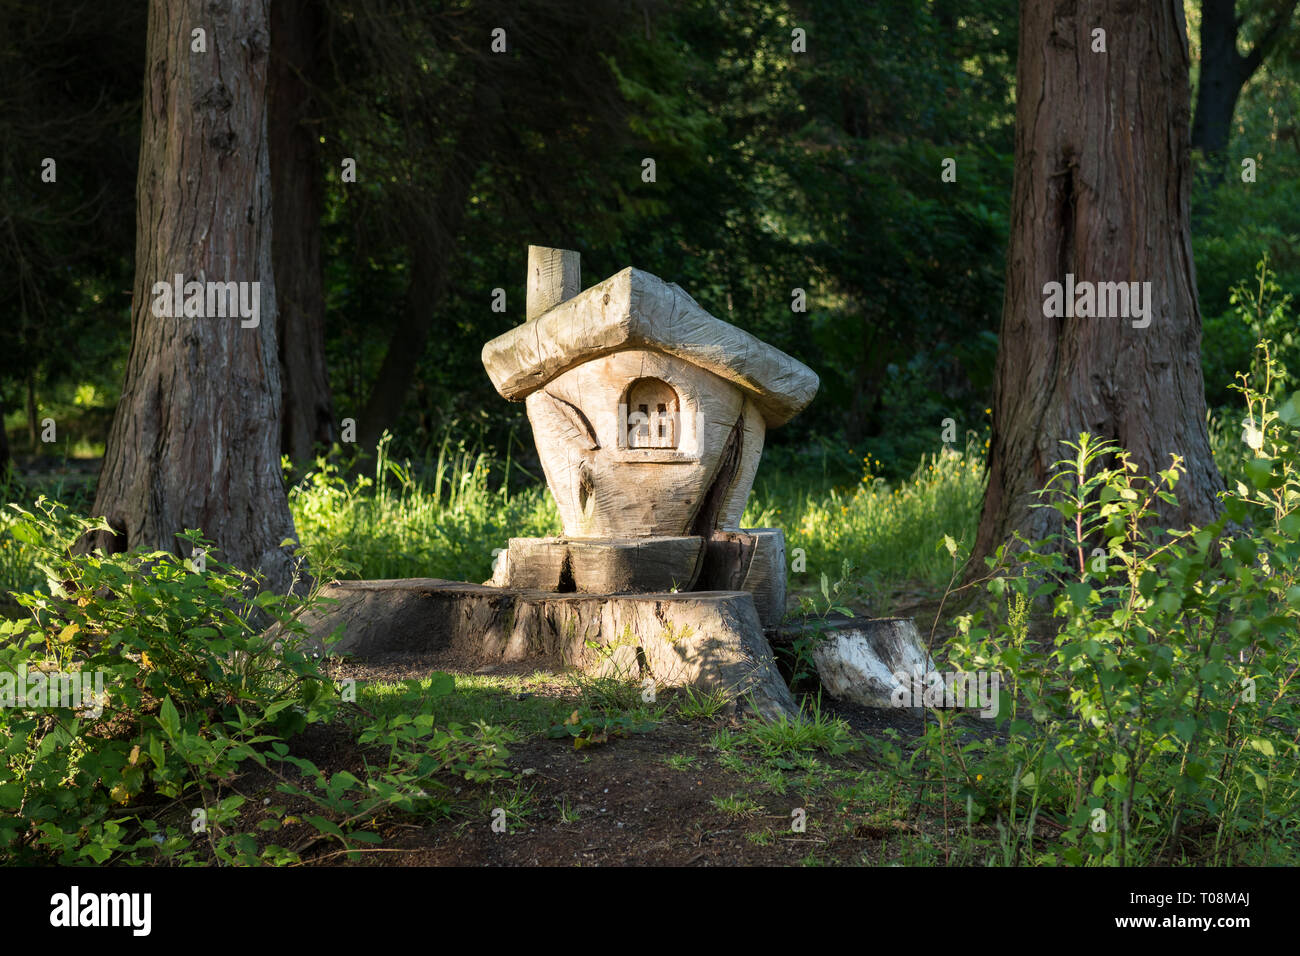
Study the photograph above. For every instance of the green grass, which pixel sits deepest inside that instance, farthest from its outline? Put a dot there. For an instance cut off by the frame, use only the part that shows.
(891, 531)
(680, 762)
(524, 705)
(737, 806)
(399, 523)
(445, 519)
(794, 740)
(500, 701)
(701, 705)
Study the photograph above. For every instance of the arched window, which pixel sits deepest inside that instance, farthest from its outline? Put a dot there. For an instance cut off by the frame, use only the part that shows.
(653, 414)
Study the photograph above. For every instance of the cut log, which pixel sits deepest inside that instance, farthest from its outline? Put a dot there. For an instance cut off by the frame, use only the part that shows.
(554, 275)
(858, 658)
(752, 560)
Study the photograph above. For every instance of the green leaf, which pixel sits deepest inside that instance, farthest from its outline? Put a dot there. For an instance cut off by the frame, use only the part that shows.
(441, 684)
(1260, 471)
(11, 795)
(1263, 746)
(1289, 411)
(1169, 601)
(169, 718)
(325, 826)
(278, 706)
(1080, 593)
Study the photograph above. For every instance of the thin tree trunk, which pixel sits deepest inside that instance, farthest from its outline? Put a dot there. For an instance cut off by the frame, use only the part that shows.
(298, 197)
(424, 295)
(1224, 72)
(33, 429)
(4, 446)
(195, 439)
(1102, 184)
(432, 240)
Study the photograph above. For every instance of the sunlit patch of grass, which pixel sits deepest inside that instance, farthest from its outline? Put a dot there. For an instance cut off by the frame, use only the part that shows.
(445, 518)
(501, 701)
(680, 762)
(442, 523)
(737, 806)
(892, 531)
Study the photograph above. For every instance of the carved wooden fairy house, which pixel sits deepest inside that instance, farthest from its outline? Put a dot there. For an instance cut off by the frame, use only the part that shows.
(649, 416)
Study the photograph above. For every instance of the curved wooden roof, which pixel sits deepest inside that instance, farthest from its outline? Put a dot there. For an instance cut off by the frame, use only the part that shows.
(636, 310)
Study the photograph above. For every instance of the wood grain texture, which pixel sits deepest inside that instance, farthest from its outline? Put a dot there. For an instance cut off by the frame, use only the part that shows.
(752, 560)
(636, 310)
(604, 491)
(553, 276)
(710, 641)
(195, 441)
(600, 566)
(1102, 191)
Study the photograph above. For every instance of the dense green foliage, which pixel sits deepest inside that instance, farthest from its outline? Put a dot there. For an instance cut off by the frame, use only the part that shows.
(191, 689)
(1146, 714)
(1153, 719)
(776, 170)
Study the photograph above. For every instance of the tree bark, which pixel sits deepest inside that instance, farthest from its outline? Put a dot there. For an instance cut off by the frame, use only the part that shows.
(298, 198)
(1224, 71)
(1102, 186)
(195, 439)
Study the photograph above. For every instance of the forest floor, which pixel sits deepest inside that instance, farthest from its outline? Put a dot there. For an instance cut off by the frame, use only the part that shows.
(687, 792)
(682, 785)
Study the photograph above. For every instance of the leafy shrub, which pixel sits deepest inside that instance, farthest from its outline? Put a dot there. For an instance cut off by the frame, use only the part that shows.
(190, 683)
(588, 728)
(189, 687)
(1158, 722)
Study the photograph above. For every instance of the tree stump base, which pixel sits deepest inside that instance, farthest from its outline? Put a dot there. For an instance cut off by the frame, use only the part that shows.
(709, 640)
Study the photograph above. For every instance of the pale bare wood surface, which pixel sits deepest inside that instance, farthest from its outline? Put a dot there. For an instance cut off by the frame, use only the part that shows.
(553, 276)
(600, 566)
(636, 310)
(602, 490)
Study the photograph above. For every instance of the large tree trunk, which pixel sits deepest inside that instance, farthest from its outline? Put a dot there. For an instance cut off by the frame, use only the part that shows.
(1102, 187)
(296, 188)
(195, 440)
(1224, 71)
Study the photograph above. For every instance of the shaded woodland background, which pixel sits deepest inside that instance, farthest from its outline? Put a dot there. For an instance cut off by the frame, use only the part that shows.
(1153, 690)
(821, 175)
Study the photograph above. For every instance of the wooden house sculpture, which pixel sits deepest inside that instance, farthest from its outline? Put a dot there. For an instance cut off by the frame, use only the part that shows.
(649, 416)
